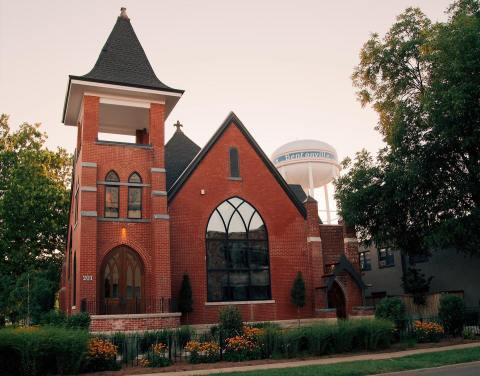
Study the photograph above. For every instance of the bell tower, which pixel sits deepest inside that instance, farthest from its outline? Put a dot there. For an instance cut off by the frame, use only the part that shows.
(119, 183)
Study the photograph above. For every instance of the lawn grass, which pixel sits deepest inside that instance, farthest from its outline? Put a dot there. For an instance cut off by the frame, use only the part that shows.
(371, 367)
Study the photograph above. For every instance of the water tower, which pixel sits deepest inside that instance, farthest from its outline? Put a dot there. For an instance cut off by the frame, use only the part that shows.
(310, 163)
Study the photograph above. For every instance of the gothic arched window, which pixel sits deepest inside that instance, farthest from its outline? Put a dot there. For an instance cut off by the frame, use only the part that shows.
(112, 195)
(134, 196)
(238, 266)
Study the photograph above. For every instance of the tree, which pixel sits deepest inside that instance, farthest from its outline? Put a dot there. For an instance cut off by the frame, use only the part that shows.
(297, 293)
(185, 301)
(421, 191)
(34, 203)
(414, 282)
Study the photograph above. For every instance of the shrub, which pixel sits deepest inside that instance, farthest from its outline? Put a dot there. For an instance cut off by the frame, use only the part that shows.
(428, 331)
(240, 348)
(156, 356)
(42, 350)
(203, 352)
(185, 299)
(451, 314)
(392, 309)
(469, 333)
(78, 321)
(231, 323)
(101, 356)
(58, 318)
(183, 335)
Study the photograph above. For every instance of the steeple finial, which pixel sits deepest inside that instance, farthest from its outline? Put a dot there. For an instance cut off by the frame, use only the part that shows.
(123, 13)
(178, 125)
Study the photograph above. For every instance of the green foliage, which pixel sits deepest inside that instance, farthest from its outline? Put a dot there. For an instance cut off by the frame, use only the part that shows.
(451, 314)
(392, 309)
(58, 318)
(231, 322)
(414, 282)
(297, 293)
(421, 191)
(185, 300)
(36, 351)
(34, 204)
(321, 339)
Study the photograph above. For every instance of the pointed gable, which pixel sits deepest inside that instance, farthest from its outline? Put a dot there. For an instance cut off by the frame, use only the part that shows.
(232, 119)
(123, 61)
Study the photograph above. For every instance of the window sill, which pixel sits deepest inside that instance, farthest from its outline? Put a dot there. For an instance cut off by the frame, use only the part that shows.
(127, 144)
(234, 178)
(133, 220)
(240, 302)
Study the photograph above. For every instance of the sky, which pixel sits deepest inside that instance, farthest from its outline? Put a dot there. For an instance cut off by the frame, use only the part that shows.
(283, 67)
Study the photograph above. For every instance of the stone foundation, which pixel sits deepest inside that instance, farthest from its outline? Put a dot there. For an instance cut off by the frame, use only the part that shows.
(362, 312)
(326, 313)
(137, 322)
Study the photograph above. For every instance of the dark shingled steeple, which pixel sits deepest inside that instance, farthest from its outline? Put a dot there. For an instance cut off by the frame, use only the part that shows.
(179, 152)
(122, 60)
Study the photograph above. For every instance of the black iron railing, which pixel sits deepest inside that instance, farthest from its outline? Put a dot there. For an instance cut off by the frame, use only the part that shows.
(123, 306)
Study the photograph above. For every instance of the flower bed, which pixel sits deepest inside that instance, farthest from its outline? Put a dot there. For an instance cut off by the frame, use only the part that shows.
(428, 331)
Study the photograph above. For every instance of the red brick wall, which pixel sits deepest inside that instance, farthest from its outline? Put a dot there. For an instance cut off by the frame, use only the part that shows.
(93, 239)
(190, 212)
(133, 323)
(170, 248)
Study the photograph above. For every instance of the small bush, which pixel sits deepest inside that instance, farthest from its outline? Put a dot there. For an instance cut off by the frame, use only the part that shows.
(58, 318)
(452, 314)
(156, 356)
(101, 356)
(428, 331)
(231, 323)
(78, 321)
(184, 334)
(203, 352)
(392, 309)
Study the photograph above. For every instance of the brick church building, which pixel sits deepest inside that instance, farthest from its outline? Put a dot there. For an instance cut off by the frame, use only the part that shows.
(144, 214)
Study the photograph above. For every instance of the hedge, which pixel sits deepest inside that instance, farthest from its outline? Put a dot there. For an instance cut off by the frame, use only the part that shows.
(42, 350)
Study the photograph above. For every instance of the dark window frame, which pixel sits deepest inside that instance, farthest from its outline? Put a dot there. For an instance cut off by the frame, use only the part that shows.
(234, 162)
(365, 261)
(388, 256)
(229, 269)
(132, 188)
(112, 185)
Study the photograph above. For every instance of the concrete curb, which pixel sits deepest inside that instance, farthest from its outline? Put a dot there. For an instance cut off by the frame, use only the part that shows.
(312, 362)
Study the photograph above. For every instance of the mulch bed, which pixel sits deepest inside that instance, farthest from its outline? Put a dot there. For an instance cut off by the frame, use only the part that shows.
(184, 366)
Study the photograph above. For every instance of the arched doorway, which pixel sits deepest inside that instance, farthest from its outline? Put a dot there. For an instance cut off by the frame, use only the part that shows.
(336, 299)
(122, 282)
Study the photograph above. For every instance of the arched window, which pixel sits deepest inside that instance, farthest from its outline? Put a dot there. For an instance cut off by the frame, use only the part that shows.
(238, 265)
(234, 168)
(134, 196)
(122, 274)
(111, 195)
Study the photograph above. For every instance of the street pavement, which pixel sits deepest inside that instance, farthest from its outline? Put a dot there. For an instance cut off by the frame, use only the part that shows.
(465, 369)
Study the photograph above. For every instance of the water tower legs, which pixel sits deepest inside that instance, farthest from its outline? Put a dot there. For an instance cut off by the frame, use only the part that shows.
(311, 192)
(327, 204)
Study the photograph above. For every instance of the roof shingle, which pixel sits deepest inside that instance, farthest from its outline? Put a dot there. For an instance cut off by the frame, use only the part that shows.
(123, 61)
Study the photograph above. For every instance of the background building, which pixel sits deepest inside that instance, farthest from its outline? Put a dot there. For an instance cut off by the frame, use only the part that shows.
(452, 272)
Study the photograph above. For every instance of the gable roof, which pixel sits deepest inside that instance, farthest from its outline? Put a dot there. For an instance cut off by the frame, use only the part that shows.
(299, 192)
(123, 61)
(179, 152)
(232, 118)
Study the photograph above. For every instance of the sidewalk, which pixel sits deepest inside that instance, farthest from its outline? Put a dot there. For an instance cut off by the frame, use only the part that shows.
(312, 362)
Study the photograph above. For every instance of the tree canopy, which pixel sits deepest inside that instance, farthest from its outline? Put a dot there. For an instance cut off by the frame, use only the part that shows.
(34, 203)
(422, 190)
